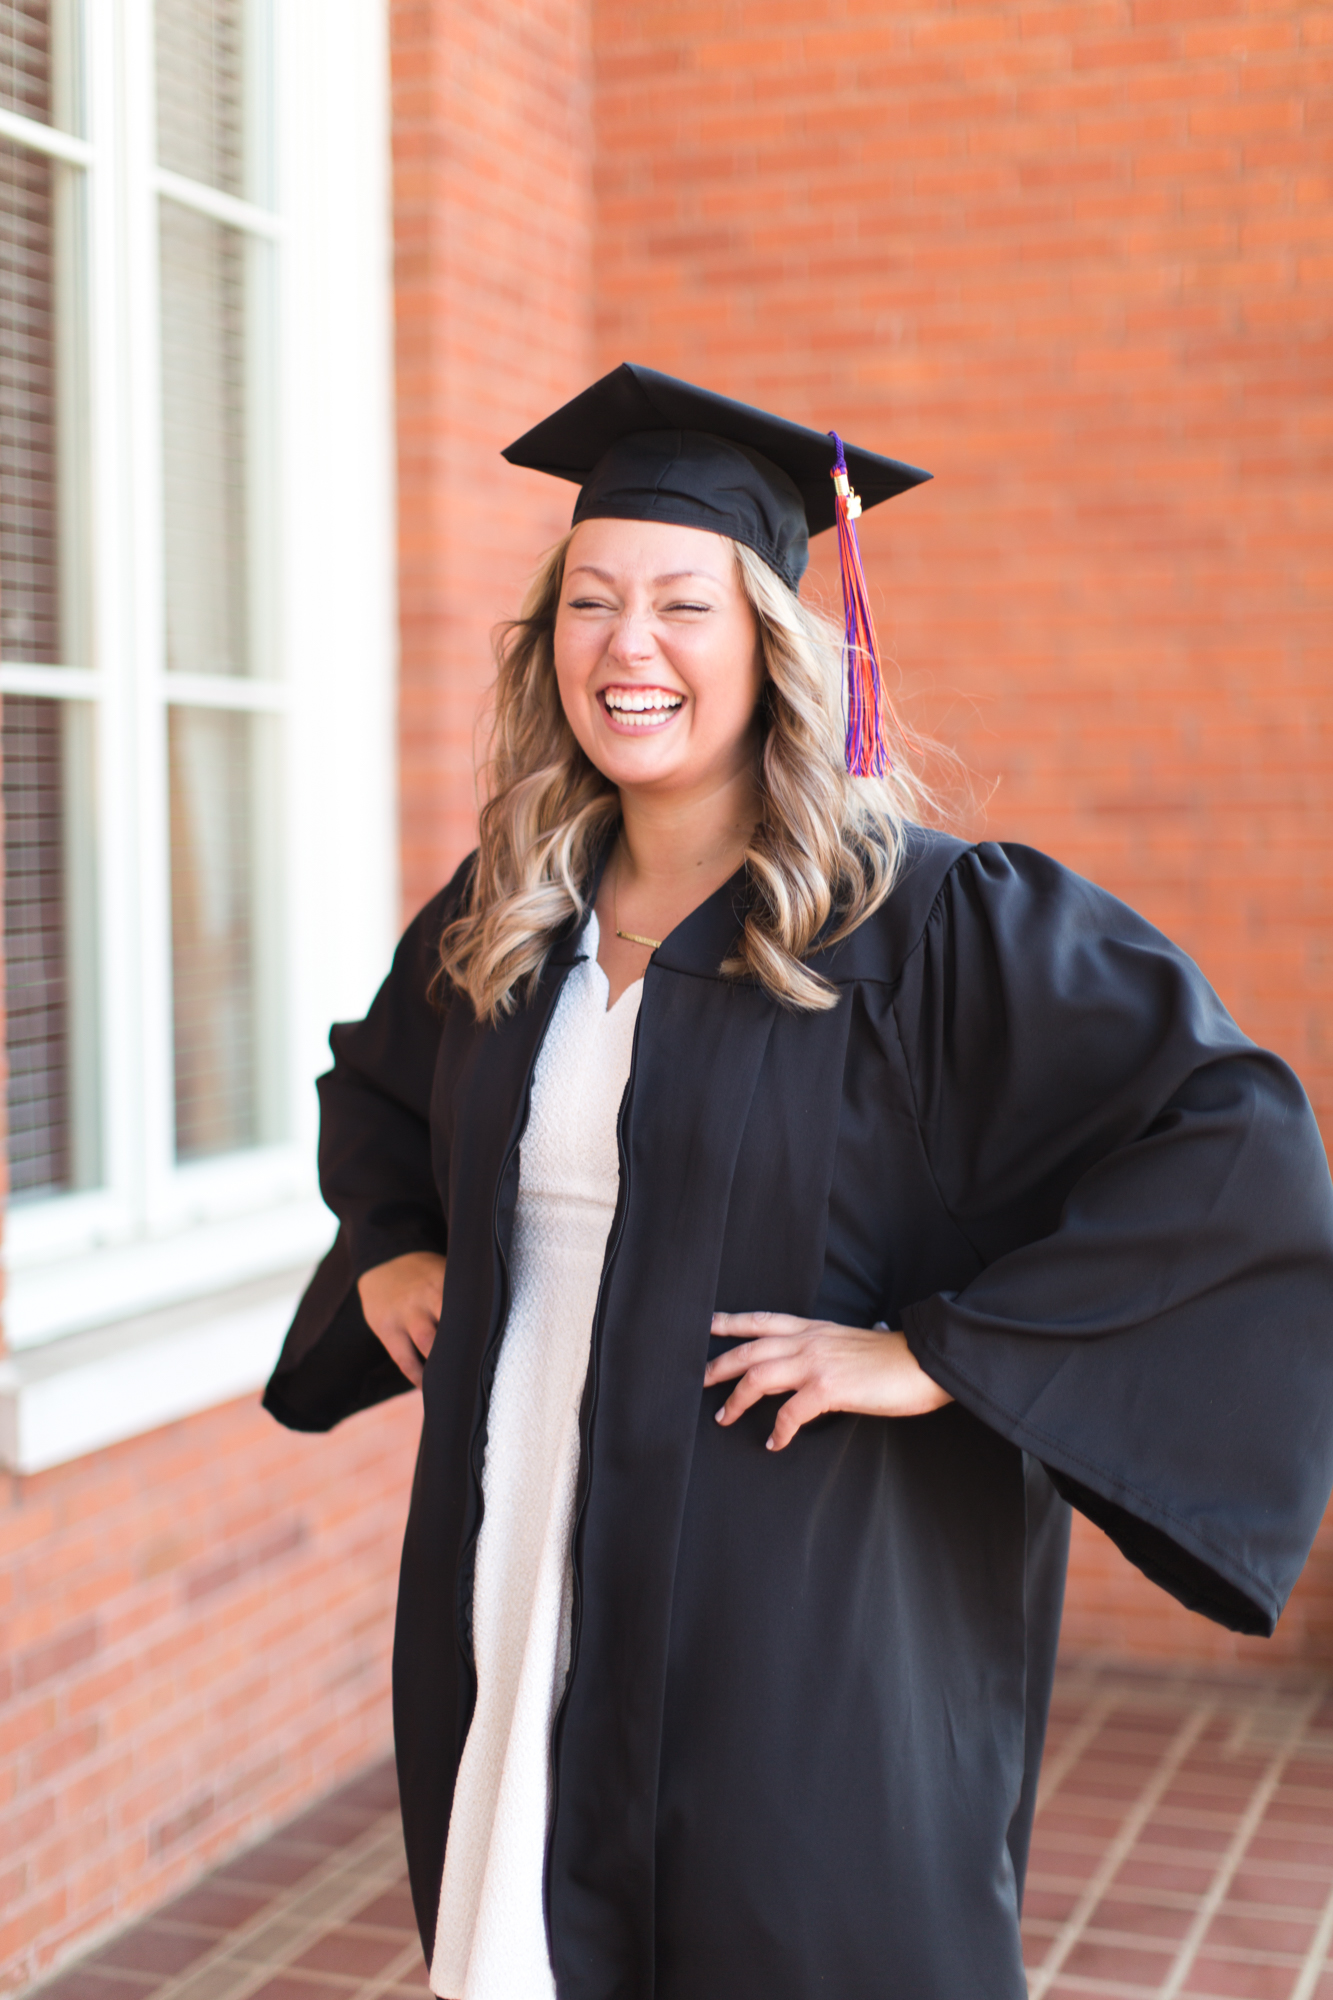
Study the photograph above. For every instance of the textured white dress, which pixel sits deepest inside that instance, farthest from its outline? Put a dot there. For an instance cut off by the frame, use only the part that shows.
(490, 1937)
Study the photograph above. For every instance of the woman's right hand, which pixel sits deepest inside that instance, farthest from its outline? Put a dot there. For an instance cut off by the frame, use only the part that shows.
(401, 1301)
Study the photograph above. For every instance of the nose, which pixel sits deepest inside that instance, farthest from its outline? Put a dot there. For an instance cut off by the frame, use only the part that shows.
(632, 640)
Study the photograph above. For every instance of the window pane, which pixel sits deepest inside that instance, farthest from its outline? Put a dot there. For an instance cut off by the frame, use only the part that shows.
(201, 90)
(204, 427)
(38, 67)
(50, 999)
(222, 928)
(25, 58)
(36, 1023)
(29, 463)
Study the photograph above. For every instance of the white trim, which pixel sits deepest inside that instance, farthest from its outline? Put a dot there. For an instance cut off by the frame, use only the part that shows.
(46, 1301)
(56, 1228)
(338, 649)
(226, 208)
(44, 1228)
(98, 1388)
(144, 668)
(232, 691)
(45, 139)
(52, 683)
(112, 454)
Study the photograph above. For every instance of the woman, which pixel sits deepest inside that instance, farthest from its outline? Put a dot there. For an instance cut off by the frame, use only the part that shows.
(786, 1212)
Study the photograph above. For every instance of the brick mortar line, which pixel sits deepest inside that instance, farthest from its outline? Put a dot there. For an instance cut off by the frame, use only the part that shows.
(1187, 1818)
(1166, 1690)
(367, 1986)
(177, 1928)
(1243, 1954)
(1178, 1899)
(1077, 1817)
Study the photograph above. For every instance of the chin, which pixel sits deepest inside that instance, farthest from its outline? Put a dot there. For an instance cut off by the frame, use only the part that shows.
(633, 763)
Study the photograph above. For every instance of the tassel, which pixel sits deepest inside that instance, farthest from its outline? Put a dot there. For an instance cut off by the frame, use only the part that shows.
(867, 752)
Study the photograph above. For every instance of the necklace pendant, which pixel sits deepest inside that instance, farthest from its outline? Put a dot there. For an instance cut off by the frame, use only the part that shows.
(632, 937)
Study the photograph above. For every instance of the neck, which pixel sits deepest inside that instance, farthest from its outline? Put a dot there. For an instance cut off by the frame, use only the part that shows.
(672, 855)
(673, 845)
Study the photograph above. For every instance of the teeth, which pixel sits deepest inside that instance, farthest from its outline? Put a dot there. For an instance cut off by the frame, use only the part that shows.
(645, 702)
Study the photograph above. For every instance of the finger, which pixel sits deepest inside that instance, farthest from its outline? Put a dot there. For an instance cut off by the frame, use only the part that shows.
(430, 1300)
(726, 1367)
(733, 1324)
(421, 1330)
(405, 1354)
(769, 1378)
(797, 1410)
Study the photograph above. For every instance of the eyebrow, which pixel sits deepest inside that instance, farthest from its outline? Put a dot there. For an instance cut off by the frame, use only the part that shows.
(672, 576)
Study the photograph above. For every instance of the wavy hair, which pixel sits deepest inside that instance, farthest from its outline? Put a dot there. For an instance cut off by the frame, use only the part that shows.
(823, 856)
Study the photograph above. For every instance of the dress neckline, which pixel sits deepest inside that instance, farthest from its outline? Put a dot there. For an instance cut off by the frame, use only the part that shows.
(592, 937)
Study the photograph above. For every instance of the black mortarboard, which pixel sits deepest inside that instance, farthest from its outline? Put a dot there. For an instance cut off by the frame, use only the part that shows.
(646, 447)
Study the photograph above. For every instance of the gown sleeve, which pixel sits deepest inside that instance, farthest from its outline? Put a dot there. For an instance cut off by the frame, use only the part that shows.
(376, 1174)
(375, 1167)
(1147, 1195)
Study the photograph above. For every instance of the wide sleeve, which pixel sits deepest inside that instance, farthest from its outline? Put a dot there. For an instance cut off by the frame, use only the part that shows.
(375, 1167)
(1148, 1196)
(376, 1174)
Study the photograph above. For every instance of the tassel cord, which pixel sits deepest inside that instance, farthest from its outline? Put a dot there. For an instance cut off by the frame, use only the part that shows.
(867, 752)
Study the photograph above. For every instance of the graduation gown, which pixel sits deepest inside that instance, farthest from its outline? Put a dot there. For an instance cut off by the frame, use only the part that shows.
(798, 1748)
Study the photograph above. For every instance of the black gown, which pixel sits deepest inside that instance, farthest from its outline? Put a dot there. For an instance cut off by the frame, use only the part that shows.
(798, 1748)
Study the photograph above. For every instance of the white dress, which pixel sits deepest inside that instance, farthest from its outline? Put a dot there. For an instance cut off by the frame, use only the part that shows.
(490, 1937)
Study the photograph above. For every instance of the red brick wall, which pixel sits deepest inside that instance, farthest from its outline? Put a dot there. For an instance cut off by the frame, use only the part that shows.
(1112, 1612)
(493, 220)
(1078, 260)
(196, 1633)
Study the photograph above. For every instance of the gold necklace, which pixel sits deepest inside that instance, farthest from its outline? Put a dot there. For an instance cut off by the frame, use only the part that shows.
(630, 937)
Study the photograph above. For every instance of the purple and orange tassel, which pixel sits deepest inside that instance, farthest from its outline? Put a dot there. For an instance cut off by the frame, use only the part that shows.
(867, 751)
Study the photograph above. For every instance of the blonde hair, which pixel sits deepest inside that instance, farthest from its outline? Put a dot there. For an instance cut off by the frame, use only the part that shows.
(823, 856)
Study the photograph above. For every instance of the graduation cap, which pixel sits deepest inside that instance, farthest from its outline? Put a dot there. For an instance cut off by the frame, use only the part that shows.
(646, 447)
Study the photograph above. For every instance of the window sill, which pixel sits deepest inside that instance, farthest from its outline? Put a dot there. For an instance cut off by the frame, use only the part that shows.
(48, 1298)
(97, 1388)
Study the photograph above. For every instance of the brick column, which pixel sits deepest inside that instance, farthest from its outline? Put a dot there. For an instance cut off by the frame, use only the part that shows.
(492, 128)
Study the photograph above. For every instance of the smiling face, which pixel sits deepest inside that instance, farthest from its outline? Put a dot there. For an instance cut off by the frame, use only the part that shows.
(657, 655)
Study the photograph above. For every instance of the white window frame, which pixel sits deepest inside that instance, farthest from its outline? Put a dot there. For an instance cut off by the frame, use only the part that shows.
(157, 1234)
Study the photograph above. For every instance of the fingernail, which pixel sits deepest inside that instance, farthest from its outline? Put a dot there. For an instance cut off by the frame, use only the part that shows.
(720, 1416)
(770, 1446)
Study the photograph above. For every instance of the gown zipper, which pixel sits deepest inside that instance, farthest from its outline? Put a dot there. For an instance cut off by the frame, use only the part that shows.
(594, 1359)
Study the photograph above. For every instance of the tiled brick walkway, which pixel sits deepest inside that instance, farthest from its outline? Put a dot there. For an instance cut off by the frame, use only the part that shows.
(319, 1912)
(1184, 1841)
(1184, 1847)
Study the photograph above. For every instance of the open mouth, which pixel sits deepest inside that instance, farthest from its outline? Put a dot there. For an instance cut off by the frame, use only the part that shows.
(641, 708)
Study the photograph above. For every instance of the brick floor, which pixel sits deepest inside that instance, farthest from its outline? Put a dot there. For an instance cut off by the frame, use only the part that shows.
(1184, 1847)
(1184, 1840)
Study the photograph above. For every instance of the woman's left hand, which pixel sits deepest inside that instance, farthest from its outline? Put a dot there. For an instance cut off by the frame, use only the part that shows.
(819, 1367)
